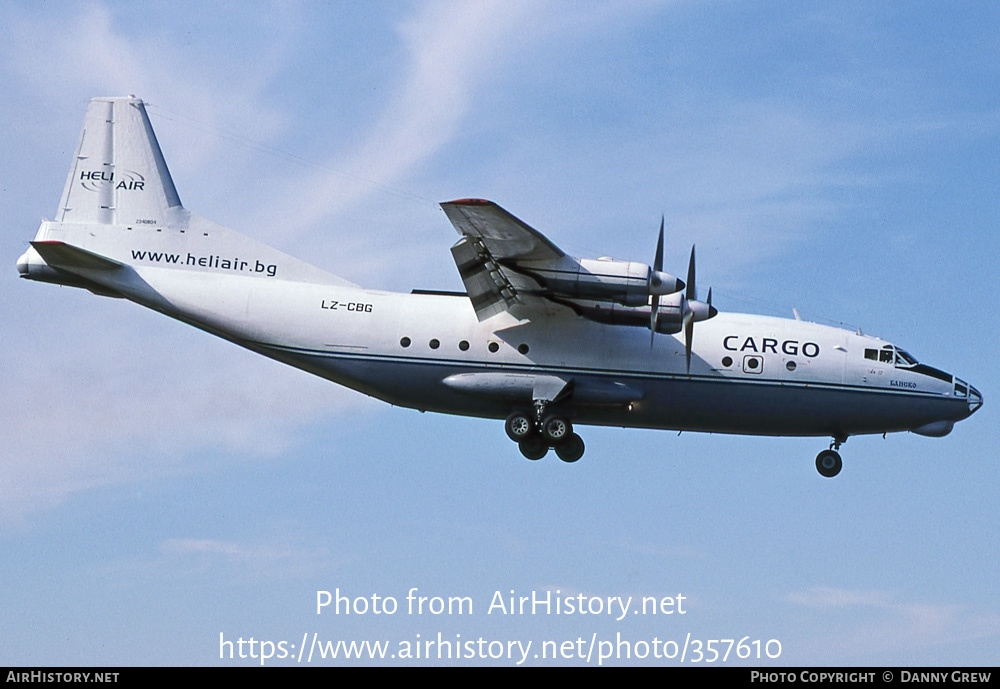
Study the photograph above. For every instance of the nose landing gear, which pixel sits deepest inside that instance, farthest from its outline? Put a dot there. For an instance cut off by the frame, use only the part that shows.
(536, 433)
(828, 462)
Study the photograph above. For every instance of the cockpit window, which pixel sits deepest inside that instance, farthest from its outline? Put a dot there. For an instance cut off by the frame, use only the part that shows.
(891, 355)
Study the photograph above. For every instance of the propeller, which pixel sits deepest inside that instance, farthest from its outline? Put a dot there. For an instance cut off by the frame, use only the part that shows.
(659, 283)
(694, 310)
(691, 310)
(689, 296)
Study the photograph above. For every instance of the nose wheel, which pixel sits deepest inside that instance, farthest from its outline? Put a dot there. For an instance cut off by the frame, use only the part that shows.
(828, 462)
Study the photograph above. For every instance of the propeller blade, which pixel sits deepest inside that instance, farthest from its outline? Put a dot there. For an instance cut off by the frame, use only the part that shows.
(661, 283)
(657, 268)
(690, 296)
(652, 319)
(658, 259)
(688, 340)
(692, 293)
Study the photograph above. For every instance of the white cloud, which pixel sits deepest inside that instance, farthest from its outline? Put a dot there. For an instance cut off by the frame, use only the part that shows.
(90, 50)
(122, 395)
(450, 48)
(241, 561)
(261, 558)
(873, 622)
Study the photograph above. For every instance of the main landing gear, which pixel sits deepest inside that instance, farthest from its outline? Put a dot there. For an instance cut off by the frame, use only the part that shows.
(535, 432)
(828, 462)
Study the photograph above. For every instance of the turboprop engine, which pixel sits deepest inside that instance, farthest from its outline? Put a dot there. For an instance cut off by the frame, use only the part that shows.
(606, 280)
(669, 311)
(623, 282)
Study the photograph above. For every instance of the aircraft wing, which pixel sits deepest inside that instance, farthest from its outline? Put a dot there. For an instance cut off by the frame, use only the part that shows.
(491, 258)
(505, 236)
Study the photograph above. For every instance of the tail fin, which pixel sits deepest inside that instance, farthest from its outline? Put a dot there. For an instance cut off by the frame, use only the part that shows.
(118, 175)
(119, 180)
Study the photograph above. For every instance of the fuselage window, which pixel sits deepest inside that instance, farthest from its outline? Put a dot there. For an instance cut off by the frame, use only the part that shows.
(463, 345)
(435, 343)
(871, 354)
(405, 342)
(494, 347)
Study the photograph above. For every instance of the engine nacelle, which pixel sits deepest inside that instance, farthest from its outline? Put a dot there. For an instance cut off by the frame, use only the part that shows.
(669, 318)
(622, 282)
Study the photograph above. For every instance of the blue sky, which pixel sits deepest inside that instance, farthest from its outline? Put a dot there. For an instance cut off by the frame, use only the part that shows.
(160, 487)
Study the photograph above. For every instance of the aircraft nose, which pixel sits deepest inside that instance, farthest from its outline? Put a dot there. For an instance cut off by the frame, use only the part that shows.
(975, 400)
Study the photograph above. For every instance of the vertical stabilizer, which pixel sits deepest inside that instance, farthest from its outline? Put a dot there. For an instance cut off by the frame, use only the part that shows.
(120, 216)
(118, 175)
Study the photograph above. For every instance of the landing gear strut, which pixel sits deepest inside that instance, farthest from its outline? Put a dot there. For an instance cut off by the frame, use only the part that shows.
(828, 462)
(536, 431)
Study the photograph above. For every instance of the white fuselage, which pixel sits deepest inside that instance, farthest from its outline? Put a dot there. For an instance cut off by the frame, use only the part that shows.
(749, 374)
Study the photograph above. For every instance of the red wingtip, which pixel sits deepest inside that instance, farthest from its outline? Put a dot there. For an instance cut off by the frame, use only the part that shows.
(468, 202)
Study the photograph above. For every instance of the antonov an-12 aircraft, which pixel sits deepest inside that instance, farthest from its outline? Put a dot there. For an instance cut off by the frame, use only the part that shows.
(538, 338)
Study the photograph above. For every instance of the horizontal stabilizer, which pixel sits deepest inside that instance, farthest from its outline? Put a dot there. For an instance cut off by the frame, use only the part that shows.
(72, 258)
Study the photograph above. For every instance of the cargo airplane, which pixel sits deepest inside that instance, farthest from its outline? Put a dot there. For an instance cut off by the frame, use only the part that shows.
(542, 340)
